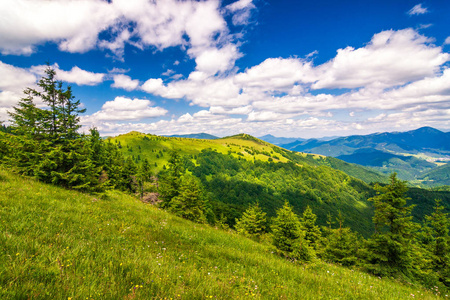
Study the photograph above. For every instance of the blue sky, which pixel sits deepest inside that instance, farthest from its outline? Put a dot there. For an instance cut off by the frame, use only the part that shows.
(287, 68)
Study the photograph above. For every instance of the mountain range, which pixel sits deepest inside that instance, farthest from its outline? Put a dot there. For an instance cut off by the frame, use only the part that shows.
(415, 155)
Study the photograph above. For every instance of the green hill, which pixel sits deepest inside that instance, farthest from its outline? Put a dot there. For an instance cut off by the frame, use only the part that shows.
(61, 244)
(236, 171)
(156, 149)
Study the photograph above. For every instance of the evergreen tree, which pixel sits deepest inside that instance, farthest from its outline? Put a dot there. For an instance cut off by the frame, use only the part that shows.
(339, 245)
(438, 242)
(252, 223)
(170, 180)
(285, 228)
(26, 118)
(189, 203)
(391, 248)
(309, 227)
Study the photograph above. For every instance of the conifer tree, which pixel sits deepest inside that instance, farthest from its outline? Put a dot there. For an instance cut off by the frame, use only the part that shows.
(437, 226)
(170, 180)
(288, 237)
(252, 223)
(285, 228)
(339, 245)
(391, 247)
(26, 118)
(189, 203)
(309, 227)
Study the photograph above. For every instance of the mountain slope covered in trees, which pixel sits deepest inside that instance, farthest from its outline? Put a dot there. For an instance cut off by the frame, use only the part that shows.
(239, 170)
(412, 154)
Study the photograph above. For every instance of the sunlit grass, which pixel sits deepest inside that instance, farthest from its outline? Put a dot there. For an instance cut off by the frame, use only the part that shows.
(59, 244)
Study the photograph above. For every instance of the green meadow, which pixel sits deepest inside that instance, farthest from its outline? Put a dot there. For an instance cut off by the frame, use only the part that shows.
(61, 244)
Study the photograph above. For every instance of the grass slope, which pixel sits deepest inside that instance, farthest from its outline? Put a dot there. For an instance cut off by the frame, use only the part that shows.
(60, 244)
(156, 150)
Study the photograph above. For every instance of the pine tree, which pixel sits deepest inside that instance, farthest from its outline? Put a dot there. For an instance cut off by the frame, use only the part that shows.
(437, 226)
(309, 227)
(170, 180)
(339, 245)
(252, 223)
(391, 247)
(285, 228)
(27, 119)
(189, 203)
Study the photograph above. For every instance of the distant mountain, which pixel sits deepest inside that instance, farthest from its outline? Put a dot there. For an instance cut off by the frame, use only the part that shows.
(403, 152)
(425, 139)
(279, 140)
(200, 136)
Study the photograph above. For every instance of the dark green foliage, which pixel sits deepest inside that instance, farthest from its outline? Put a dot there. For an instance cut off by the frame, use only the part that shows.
(339, 245)
(437, 241)
(239, 182)
(253, 222)
(309, 227)
(285, 228)
(189, 203)
(391, 247)
(288, 237)
(47, 144)
(170, 180)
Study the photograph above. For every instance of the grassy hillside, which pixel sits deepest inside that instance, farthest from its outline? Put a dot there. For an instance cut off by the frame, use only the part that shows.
(156, 149)
(239, 170)
(60, 244)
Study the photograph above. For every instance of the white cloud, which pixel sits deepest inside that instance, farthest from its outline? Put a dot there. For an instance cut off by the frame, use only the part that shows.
(447, 41)
(213, 60)
(75, 75)
(391, 58)
(124, 109)
(79, 76)
(22, 30)
(417, 10)
(125, 82)
(241, 11)
(276, 74)
(76, 26)
(15, 79)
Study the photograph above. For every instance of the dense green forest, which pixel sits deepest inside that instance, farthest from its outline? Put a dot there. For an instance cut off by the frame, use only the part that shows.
(298, 204)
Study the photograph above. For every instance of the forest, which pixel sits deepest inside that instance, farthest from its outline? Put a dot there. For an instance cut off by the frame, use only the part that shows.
(305, 212)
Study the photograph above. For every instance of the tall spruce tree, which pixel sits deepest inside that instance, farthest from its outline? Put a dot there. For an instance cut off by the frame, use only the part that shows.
(285, 228)
(438, 241)
(390, 249)
(48, 145)
(170, 180)
(189, 203)
(309, 227)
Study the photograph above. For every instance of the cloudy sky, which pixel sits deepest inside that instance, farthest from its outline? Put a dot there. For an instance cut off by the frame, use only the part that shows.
(289, 68)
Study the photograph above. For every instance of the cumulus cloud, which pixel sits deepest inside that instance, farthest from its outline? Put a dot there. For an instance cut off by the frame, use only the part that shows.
(75, 75)
(391, 58)
(79, 76)
(417, 10)
(15, 79)
(396, 70)
(125, 82)
(21, 30)
(76, 26)
(124, 109)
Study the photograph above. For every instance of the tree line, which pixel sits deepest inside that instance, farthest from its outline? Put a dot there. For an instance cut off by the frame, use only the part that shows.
(45, 143)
